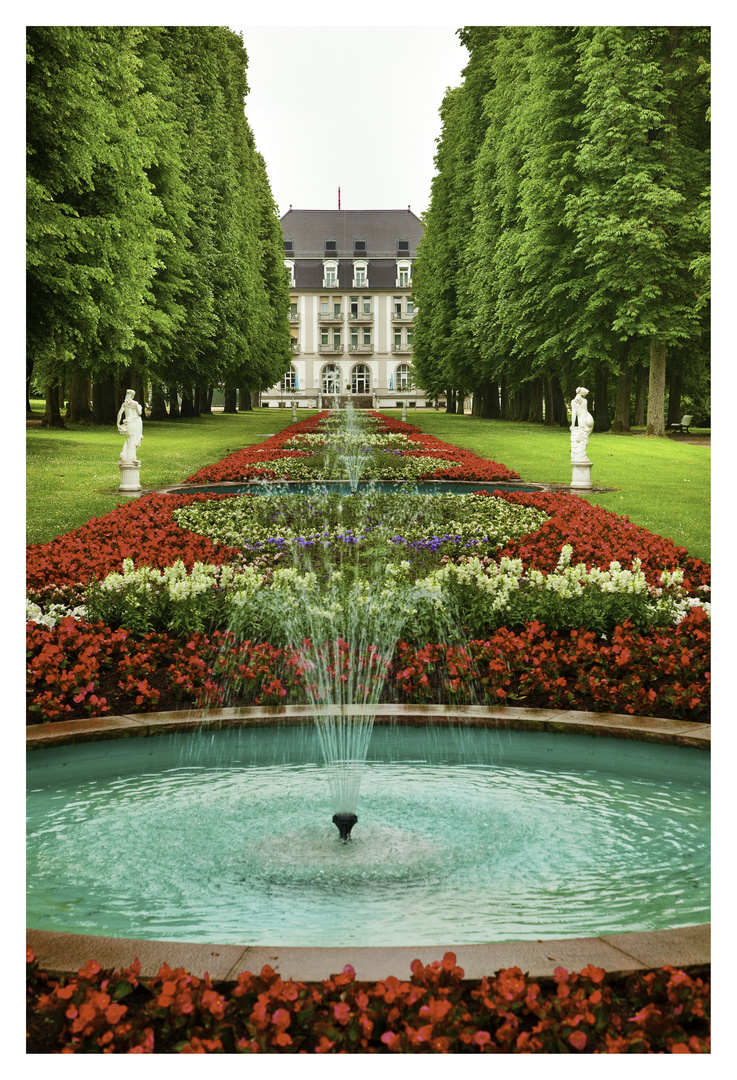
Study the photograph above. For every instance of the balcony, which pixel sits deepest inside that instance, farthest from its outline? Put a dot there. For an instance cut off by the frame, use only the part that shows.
(360, 283)
(361, 316)
(334, 347)
(296, 348)
(403, 316)
(360, 348)
(399, 348)
(294, 316)
(325, 317)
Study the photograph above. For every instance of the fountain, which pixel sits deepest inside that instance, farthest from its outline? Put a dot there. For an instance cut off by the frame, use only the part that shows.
(468, 834)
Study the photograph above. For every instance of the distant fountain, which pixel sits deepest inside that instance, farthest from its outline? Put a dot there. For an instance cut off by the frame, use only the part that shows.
(354, 450)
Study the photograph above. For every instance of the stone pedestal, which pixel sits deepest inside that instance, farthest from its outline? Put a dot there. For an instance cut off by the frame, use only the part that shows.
(581, 480)
(130, 477)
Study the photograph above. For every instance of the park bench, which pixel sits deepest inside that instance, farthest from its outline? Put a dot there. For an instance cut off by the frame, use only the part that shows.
(684, 425)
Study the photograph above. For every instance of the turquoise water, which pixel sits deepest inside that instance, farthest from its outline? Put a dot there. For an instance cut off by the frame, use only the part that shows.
(340, 487)
(463, 836)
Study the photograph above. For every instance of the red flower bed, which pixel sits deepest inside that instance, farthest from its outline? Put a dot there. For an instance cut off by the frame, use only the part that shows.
(144, 531)
(76, 670)
(597, 537)
(434, 1011)
(240, 466)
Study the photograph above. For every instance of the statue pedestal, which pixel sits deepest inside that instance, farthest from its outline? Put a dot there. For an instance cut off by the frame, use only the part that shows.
(581, 480)
(130, 477)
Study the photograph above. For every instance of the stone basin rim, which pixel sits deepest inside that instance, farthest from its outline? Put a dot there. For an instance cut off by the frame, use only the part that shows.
(60, 953)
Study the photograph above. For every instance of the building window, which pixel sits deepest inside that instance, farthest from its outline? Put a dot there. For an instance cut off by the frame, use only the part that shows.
(331, 247)
(293, 311)
(354, 339)
(354, 307)
(410, 307)
(290, 270)
(331, 275)
(289, 382)
(323, 305)
(359, 247)
(402, 247)
(397, 307)
(366, 336)
(403, 378)
(325, 336)
(330, 379)
(360, 281)
(397, 339)
(367, 305)
(361, 379)
(288, 247)
(403, 275)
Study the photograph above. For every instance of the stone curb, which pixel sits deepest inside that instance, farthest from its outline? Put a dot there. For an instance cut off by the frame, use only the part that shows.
(619, 954)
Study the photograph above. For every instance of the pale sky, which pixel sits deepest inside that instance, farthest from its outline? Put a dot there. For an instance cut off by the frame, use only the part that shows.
(354, 107)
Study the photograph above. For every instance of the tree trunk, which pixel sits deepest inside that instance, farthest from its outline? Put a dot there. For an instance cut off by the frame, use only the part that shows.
(203, 400)
(550, 420)
(79, 411)
(560, 409)
(486, 401)
(675, 382)
(29, 373)
(158, 402)
(104, 402)
(450, 401)
(621, 421)
(656, 389)
(188, 407)
(245, 403)
(640, 396)
(601, 399)
(52, 416)
(535, 410)
(173, 402)
(231, 399)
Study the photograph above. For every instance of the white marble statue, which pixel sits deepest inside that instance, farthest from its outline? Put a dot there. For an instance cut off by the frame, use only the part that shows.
(130, 425)
(582, 423)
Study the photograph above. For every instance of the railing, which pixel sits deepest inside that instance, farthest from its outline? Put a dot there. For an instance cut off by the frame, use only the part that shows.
(401, 348)
(294, 316)
(403, 316)
(361, 316)
(360, 283)
(326, 317)
(360, 348)
(296, 347)
(333, 348)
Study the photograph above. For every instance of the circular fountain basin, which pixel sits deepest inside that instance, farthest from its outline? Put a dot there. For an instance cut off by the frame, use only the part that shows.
(463, 835)
(343, 487)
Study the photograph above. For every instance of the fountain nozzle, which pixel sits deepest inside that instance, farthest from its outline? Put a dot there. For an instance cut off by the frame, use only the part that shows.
(345, 823)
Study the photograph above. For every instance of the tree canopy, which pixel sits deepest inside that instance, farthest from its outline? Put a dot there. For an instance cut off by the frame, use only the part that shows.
(155, 253)
(567, 239)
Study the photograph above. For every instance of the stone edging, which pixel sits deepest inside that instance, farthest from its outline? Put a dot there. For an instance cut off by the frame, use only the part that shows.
(689, 946)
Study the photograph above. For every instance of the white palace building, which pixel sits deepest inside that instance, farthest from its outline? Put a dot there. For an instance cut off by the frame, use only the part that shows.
(350, 274)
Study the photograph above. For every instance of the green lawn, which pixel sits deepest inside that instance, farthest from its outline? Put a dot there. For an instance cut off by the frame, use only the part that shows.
(660, 484)
(73, 475)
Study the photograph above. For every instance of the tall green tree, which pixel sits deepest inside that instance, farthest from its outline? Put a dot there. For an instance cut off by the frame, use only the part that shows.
(643, 158)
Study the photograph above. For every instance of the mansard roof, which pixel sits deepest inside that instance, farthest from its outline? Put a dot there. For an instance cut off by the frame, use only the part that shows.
(380, 229)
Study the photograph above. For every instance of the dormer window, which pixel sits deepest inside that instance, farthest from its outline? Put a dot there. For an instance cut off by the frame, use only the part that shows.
(331, 275)
(360, 278)
(289, 247)
(331, 247)
(359, 247)
(289, 264)
(404, 275)
(402, 247)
